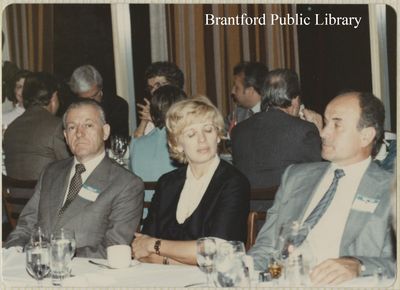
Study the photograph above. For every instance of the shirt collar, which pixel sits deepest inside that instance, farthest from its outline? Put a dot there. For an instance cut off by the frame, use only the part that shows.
(256, 108)
(355, 168)
(91, 164)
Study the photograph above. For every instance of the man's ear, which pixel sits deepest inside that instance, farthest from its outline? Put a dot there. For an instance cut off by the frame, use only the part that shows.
(367, 136)
(106, 131)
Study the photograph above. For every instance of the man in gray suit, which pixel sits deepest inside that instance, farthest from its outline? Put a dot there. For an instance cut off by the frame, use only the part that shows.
(346, 202)
(35, 139)
(89, 194)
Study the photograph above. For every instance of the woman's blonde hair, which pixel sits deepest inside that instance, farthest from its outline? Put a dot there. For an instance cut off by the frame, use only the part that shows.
(186, 112)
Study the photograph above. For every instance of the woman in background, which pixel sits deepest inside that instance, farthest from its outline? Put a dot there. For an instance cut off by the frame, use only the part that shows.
(16, 98)
(149, 156)
(208, 197)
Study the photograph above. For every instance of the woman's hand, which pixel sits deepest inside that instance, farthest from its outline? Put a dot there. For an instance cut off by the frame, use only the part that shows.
(142, 246)
(144, 110)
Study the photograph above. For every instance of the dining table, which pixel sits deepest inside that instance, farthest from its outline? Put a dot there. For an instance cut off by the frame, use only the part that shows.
(87, 274)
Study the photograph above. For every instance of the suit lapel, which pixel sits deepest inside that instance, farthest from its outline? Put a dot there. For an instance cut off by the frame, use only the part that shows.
(357, 219)
(58, 192)
(97, 180)
(303, 194)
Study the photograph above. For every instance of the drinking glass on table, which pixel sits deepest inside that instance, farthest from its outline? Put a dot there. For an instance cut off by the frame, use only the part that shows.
(39, 235)
(231, 269)
(37, 260)
(62, 250)
(119, 145)
(206, 250)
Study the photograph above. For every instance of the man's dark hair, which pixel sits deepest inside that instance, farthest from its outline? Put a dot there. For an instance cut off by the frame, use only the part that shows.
(38, 89)
(22, 74)
(254, 75)
(166, 69)
(372, 115)
(163, 98)
(282, 86)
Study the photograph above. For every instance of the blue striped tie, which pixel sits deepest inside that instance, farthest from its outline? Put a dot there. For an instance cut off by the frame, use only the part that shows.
(321, 207)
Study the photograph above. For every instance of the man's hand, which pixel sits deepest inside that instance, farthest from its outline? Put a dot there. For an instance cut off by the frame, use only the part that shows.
(335, 271)
(313, 117)
(144, 111)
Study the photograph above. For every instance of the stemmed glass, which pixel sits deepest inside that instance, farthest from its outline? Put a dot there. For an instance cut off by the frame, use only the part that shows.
(119, 145)
(230, 265)
(37, 260)
(62, 250)
(206, 250)
(39, 235)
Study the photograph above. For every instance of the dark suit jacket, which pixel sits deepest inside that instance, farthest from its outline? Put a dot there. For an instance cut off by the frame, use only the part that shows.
(117, 114)
(222, 212)
(265, 144)
(31, 142)
(107, 218)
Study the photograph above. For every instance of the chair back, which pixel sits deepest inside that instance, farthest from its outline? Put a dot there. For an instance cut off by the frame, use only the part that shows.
(253, 219)
(13, 204)
(148, 185)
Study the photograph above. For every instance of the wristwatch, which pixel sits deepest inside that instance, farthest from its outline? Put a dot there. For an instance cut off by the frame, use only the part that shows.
(157, 245)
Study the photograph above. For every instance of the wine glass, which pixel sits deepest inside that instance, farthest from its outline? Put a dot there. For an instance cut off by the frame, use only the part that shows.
(39, 235)
(206, 250)
(230, 265)
(119, 145)
(37, 260)
(62, 250)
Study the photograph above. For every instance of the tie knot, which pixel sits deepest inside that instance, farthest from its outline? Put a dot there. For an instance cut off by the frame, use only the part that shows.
(250, 112)
(79, 168)
(339, 173)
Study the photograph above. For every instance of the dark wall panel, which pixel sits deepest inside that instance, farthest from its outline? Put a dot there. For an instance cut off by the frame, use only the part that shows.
(333, 58)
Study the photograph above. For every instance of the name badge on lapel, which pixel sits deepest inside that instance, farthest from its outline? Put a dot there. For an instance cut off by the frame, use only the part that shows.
(365, 204)
(89, 193)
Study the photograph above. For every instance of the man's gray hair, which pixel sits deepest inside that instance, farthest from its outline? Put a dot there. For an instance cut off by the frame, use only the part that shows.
(85, 102)
(84, 77)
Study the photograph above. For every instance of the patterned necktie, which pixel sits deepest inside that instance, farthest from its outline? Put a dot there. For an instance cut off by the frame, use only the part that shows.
(250, 113)
(74, 187)
(321, 207)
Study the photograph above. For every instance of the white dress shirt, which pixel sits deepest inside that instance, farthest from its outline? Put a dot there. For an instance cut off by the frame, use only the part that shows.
(9, 117)
(193, 191)
(89, 166)
(326, 236)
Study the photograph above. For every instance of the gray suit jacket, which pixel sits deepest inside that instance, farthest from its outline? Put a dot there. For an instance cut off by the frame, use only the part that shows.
(367, 236)
(110, 219)
(31, 142)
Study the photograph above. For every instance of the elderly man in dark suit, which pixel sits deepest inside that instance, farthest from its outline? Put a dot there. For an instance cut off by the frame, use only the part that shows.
(86, 82)
(35, 139)
(346, 203)
(89, 194)
(264, 145)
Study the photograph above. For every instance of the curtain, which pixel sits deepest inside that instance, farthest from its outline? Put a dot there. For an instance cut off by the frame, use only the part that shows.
(30, 36)
(207, 54)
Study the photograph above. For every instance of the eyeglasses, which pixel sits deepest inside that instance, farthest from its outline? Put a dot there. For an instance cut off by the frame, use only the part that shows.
(96, 94)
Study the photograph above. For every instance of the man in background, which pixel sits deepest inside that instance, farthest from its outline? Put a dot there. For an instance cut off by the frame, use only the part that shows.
(86, 82)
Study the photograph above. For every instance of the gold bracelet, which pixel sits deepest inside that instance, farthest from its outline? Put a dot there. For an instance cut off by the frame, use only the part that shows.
(165, 260)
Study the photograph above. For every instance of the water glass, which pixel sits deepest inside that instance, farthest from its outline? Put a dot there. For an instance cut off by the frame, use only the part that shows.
(231, 269)
(206, 250)
(62, 251)
(119, 145)
(37, 260)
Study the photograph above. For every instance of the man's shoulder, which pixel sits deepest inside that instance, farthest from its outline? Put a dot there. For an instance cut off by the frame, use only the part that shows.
(306, 168)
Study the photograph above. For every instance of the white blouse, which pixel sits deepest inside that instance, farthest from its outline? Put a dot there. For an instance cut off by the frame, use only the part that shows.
(193, 191)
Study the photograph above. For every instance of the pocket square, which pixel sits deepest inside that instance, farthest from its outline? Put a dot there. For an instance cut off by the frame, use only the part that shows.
(365, 204)
(88, 193)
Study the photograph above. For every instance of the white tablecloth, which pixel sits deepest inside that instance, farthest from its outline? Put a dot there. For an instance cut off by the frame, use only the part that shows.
(138, 275)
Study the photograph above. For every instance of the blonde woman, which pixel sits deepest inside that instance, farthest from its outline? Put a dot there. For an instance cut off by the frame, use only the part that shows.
(208, 197)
